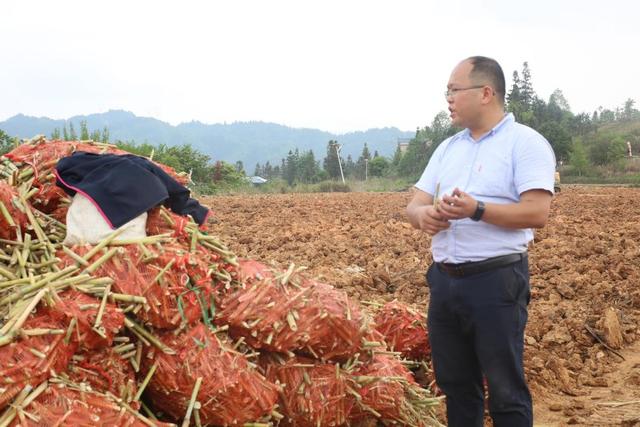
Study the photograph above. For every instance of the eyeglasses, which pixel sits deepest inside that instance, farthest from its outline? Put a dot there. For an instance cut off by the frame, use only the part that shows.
(451, 92)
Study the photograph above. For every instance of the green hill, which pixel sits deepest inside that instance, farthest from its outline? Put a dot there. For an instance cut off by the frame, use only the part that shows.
(249, 142)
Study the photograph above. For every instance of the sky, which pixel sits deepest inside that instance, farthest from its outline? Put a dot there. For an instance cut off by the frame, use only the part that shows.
(335, 65)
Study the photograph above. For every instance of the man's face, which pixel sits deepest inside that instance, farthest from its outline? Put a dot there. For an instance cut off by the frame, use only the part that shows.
(464, 105)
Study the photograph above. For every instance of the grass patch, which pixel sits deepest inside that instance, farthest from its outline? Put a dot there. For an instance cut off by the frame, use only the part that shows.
(279, 186)
(605, 180)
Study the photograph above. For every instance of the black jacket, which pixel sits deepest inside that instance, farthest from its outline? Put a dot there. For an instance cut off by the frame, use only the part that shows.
(124, 186)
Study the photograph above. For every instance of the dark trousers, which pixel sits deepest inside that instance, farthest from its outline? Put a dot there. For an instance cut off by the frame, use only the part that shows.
(476, 328)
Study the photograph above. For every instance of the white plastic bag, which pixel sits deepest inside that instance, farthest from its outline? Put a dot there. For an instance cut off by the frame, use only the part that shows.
(85, 224)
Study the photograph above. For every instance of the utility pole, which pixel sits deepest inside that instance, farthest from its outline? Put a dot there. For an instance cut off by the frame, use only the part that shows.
(366, 169)
(338, 147)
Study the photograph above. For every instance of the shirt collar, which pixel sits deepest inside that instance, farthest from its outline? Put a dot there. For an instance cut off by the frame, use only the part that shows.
(508, 118)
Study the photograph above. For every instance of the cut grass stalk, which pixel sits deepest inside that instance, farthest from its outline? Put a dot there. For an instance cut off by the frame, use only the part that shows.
(194, 396)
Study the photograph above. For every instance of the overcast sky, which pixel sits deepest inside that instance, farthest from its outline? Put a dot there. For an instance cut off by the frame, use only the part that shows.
(334, 65)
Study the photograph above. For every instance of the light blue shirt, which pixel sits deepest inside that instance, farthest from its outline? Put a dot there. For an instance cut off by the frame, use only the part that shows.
(504, 163)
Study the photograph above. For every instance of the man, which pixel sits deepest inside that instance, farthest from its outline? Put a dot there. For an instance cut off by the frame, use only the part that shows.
(496, 182)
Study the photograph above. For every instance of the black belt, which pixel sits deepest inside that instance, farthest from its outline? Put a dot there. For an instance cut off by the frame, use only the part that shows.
(469, 268)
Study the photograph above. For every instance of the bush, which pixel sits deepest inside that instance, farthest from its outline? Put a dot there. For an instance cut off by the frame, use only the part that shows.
(7, 143)
(378, 166)
(607, 150)
(331, 187)
(206, 174)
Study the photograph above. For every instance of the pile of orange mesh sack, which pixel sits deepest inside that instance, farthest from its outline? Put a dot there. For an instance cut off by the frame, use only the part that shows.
(173, 328)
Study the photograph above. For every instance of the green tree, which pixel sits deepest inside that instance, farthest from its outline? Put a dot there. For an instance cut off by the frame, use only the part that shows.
(522, 99)
(558, 137)
(515, 104)
(291, 168)
(268, 171)
(330, 163)
(105, 135)
(514, 94)
(526, 87)
(308, 168)
(629, 113)
(55, 135)
(439, 130)
(349, 166)
(144, 150)
(397, 156)
(378, 166)
(7, 143)
(84, 131)
(188, 159)
(581, 124)
(558, 99)
(65, 133)
(421, 147)
(415, 158)
(95, 135)
(72, 133)
(361, 164)
(607, 116)
(578, 158)
(240, 167)
(183, 158)
(225, 173)
(607, 150)
(366, 154)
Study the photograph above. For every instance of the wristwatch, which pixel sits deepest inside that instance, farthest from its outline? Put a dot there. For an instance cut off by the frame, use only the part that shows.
(477, 215)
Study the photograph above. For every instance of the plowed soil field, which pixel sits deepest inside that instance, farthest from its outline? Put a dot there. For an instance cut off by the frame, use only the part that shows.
(582, 353)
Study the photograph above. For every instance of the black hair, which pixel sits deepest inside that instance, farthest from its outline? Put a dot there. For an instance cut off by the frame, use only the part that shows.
(489, 70)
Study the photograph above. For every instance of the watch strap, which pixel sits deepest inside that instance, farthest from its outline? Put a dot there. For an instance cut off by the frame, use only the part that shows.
(477, 215)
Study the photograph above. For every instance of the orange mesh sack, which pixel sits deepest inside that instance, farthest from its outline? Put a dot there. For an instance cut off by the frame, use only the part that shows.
(161, 221)
(11, 216)
(404, 330)
(209, 250)
(175, 282)
(314, 394)
(33, 359)
(231, 392)
(105, 370)
(84, 309)
(284, 311)
(250, 271)
(69, 406)
(43, 155)
(37, 159)
(388, 390)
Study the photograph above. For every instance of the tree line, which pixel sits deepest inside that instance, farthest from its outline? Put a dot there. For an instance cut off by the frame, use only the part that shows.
(583, 140)
(204, 172)
(69, 134)
(302, 167)
(582, 143)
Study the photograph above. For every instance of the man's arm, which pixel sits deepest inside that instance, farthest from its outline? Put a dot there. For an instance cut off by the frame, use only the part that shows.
(532, 211)
(423, 216)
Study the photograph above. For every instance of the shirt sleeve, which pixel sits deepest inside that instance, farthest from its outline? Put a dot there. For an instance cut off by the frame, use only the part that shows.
(534, 164)
(429, 178)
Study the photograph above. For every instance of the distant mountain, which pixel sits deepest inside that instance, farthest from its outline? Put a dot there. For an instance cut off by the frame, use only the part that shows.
(250, 142)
